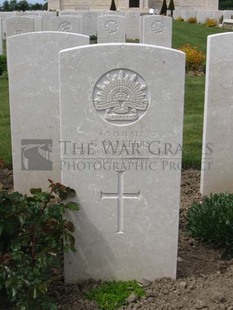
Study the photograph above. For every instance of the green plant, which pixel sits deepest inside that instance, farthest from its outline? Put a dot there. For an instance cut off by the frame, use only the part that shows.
(211, 22)
(3, 64)
(193, 121)
(112, 295)
(212, 221)
(33, 236)
(194, 57)
(179, 19)
(192, 20)
(4, 75)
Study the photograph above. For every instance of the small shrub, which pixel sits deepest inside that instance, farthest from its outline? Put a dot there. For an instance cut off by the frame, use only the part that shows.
(179, 19)
(211, 22)
(194, 57)
(32, 231)
(192, 20)
(3, 64)
(212, 221)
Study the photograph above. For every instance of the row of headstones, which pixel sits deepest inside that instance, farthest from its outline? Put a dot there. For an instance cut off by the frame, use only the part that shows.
(202, 16)
(154, 29)
(45, 15)
(113, 131)
(89, 19)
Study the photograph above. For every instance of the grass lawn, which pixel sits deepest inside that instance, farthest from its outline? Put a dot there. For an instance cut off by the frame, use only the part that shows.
(5, 136)
(183, 33)
(195, 34)
(193, 121)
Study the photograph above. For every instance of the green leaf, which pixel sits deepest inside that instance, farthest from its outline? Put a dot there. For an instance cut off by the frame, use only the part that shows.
(72, 206)
(35, 191)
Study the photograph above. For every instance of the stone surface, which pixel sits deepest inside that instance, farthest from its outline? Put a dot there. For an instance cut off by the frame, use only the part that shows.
(201, 17)
(111, 29)
(186, 14)
(156, 30)
(217, 166)
(218, 15)
(90, 22)
(121, 135)
(19, 25)
(34, 103)
(67, 24)
(46, 22)
(177, 13)
(123, 5)
(132, 25)
(38, 23)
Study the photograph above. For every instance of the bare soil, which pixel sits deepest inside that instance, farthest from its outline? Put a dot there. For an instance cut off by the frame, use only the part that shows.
(204, 279)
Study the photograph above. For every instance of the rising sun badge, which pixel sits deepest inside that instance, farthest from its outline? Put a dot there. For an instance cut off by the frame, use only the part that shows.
(121, 97)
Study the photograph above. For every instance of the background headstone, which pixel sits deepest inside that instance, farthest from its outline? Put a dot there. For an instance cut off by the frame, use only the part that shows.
(217, 164)
(156, 30)
(67, 24)
(111, 29)
(132, 25)
(34, 103)
(115, 122)
(38, 23)
(90, 22)
(19, 25)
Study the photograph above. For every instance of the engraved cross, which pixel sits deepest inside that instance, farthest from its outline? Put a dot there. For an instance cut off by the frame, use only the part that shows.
(120, 196)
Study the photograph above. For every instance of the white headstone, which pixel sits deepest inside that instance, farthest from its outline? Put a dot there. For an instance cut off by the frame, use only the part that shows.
(46, 13)
(132, 25)
(4, 16)
(67, 24)
(110, 12)
(117, 121)
(19, 25)
(27, 13)
(90, 22)
(156, 30)
(217, 164)
(111, 28)
(34, 101)
(67, 12)
(46, 22)
(38, 22)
